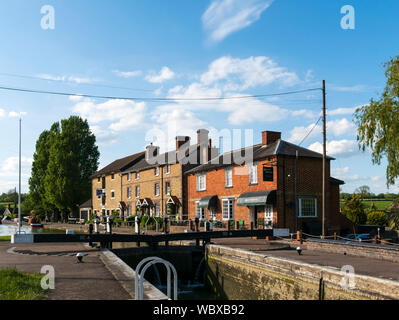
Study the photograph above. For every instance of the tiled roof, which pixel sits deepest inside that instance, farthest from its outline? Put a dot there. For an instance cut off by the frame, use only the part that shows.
(119, 165)
(279, 147)
(87, 204)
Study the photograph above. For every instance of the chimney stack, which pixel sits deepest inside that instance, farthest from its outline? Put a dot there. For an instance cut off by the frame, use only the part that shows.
(181, 140)
(269, 137)
(202, 137)
(151, 152)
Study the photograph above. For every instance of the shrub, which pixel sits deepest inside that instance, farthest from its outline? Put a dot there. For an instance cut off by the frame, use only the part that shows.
(377, 218)
(354, 210)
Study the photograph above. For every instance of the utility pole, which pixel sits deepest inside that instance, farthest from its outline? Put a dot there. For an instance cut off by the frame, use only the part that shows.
(323, 209)
(19, 193)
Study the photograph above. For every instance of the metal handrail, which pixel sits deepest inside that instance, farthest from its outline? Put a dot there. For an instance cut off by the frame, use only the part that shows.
(140, 276)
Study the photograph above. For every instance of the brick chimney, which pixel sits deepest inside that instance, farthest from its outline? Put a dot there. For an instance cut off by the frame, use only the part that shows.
(202, 137)
(269, 137)
(181, 140)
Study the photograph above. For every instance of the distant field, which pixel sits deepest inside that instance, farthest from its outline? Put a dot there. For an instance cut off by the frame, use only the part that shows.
(379, 204)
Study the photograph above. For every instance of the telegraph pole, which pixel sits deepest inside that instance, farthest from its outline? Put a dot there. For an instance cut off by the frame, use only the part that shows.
(323, 209)
(19, 193)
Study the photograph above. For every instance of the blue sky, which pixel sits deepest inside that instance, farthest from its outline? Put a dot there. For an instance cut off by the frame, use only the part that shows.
(191, 48)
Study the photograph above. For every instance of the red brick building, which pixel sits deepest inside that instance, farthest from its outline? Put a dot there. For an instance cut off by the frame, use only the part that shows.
(281, 188)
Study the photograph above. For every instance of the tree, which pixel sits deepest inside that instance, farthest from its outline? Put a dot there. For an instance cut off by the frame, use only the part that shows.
(354, 210)
(378, 124)
(73, 158)
(377, 218)
(364, 191)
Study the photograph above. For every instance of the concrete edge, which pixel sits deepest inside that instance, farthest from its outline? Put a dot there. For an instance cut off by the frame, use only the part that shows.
(332, 270)
(126, 276)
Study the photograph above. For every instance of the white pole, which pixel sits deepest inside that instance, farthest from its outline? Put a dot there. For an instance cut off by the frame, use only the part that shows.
(19, 194)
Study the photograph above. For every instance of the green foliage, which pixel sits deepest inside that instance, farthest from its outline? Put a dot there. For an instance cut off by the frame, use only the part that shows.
(377, 218)
(393, 220)
(130, 218)
(16, 285)
(66, 156)
(354, 210)
(378, 124)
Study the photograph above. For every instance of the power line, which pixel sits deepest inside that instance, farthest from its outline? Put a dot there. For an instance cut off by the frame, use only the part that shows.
(71, 82)
(311, 130)
(154, 99)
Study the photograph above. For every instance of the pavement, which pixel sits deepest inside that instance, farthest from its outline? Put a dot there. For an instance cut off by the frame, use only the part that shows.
(90, 280)
(362, 265)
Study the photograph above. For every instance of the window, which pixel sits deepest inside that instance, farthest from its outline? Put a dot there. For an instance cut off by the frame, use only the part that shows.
(201, 182)
(137, 191)
(200, 212)
(157, 211)
(253, 173)
(307, 207)
(98, 179)
(156, 189)
(129, 192)
(112, 176)
(129, 210)
(156, 171)
(112, 194)
(137, 175)
(129, 176)
(229, 177)
(228, 209)
(167, 187)
(167, 169)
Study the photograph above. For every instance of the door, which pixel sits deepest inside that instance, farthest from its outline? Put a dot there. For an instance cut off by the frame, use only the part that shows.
(252, 216)
(268, 217)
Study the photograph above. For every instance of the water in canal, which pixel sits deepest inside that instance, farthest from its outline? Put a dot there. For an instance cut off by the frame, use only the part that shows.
(9, 229)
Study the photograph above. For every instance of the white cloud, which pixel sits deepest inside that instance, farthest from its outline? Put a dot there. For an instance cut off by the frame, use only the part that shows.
(355, 88)
(241, 74)
(223, 17)
(163, 75)
(127, 74)
(104, 137)
(342, 148)
(344, 174)
(2, 113)
(341, 111)
(124, 114)
(303, 112)
(10, 167)
(76, 98)
(299, 133)
(64, 78)
(14, 114)
(341, 127)
(168, 124)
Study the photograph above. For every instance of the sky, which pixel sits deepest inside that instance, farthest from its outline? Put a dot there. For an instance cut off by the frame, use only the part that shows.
(181, 49)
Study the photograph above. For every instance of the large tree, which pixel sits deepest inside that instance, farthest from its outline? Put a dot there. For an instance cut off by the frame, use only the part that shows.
(378, 123)
(73, 158)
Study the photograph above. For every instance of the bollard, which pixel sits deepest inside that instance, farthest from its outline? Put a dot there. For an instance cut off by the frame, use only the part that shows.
(299, 236)
(109, 225)
(91, 227)
(166, 224)
(196, 224)
(97, 225)
(137, 222)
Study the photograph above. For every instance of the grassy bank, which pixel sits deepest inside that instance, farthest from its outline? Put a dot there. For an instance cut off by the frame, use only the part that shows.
(5, 238)
(379, 204)
(16, 285)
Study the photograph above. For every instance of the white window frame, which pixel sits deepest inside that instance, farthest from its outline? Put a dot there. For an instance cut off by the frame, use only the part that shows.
(199, 177)
(98, 179)
(253, 173)
(167, 169)
(157, 210)
(113, 191)
(166, 189)
(199, 212)
(156, 191)
(129, 210)
(230, 208)
(227, 172)
(137, 176)
(112, 176)
(300, 207)
(156, 172)
(129, 176)
(129, 192)
(137, 193)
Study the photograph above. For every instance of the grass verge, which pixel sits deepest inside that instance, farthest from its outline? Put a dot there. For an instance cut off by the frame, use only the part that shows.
(17, 285)
(5, 238)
